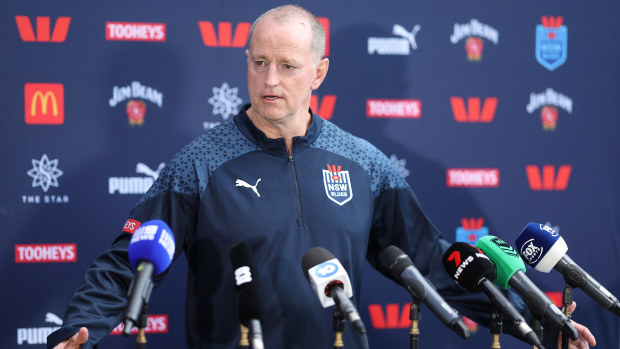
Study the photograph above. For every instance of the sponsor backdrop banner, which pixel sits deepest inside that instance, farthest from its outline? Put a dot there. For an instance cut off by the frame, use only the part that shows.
(497, 114)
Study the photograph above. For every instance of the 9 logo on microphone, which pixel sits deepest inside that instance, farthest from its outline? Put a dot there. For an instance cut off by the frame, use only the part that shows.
(243, 275)
(326, 269)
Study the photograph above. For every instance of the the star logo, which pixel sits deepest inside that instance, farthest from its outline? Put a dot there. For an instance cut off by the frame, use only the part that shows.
(225, 101)
(400, 165)
(44, 173)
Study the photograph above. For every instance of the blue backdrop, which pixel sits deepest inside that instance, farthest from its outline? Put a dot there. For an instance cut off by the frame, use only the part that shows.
(497, 113)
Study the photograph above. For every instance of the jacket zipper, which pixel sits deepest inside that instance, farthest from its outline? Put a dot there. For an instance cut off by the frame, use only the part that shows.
(291, 161)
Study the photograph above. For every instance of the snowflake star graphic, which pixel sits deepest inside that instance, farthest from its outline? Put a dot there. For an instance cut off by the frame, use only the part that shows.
(44, 173)
(225, 101)
(400, 165)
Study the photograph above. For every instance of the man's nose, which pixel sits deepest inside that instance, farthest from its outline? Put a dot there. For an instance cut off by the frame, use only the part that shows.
(273, 76)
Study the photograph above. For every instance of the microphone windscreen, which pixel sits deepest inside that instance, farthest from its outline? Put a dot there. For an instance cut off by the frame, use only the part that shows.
(313, 257)
(540, 246)
(152, 242)
(395, 260)
(249, 299)
(506, 259)
(468, 265)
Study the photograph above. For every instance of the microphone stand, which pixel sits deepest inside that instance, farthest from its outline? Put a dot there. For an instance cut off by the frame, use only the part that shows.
(244, 343)
(567, 300)
(536, 325)
(415, 316)
(497, 321)
(339, 322)
(142, 322)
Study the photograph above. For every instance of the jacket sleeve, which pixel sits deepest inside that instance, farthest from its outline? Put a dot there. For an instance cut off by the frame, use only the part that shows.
(99, 303)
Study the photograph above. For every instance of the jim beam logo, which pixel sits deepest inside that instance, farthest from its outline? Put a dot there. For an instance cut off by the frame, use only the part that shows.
(548, 102)
(135, 94)
(474, 32)
(337, 184)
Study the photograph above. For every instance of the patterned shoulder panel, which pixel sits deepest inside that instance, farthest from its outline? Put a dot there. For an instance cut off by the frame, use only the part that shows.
(190, 169)
(381, 171)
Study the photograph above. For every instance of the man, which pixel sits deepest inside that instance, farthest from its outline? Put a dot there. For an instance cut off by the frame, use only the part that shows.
(285, 155)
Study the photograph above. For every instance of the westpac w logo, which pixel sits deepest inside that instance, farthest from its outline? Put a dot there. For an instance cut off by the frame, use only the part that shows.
(476, 110)
(226, 37)
(43, 29)
(547, 178)
(337, 184)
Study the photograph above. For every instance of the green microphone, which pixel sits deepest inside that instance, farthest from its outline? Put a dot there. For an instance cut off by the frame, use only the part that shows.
(511, 272)
(507, 260)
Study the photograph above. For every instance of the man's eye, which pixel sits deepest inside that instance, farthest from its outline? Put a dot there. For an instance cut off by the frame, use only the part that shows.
(288, 66)
(260, 63)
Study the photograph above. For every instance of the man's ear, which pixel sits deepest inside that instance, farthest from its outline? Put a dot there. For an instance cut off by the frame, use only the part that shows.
(321, 72)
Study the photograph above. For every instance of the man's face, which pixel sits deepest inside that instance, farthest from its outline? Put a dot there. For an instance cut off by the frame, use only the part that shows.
(281, 70)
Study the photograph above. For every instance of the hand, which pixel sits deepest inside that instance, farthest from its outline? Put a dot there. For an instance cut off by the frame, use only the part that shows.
(76, 341)
(585, 339)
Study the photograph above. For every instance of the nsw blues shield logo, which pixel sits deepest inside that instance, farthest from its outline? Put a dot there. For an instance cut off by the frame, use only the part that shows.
(551, 42)
(337, 184)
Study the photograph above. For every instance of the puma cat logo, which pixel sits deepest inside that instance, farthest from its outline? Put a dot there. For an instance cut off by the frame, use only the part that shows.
(241, 183)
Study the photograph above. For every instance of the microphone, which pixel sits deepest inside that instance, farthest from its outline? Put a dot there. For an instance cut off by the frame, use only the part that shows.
(473, 270)
(248, 293)
(544, 249)
(150, 251)
(401, 267)
(511, 272)
(331, 283)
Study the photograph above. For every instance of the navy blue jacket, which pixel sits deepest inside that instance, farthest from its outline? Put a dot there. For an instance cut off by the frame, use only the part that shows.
(335, 191)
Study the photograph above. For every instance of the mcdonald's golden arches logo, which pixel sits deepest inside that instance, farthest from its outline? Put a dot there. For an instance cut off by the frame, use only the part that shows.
(44, 104)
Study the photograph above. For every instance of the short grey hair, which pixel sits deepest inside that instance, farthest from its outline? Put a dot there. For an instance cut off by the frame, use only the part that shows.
(285, 13)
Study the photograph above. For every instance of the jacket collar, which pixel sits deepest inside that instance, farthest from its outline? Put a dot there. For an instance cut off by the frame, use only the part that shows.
(277, 146)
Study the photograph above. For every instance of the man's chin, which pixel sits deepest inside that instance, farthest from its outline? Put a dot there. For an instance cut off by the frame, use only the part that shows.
(271, 113)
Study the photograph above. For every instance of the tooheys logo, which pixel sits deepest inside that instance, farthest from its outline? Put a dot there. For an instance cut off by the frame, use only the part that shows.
(474, 31)
(549, 101)
(475, 111)
(394, 108)
(337, 184)
(471, 230)
(394, 316)
(45, 253)
(26, 31)
(133, 31)
(38, 335)
(327, 105)
(44, 104)
(551, 42)
(547, 179)
(472, 177)
(154, 324)
(131, 226)
(225, 37)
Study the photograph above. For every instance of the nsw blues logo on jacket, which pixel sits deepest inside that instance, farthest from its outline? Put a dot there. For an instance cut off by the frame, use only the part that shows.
(337, 184)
